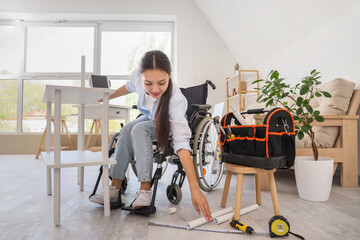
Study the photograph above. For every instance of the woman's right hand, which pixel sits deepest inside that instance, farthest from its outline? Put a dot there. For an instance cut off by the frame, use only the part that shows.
(200, 202)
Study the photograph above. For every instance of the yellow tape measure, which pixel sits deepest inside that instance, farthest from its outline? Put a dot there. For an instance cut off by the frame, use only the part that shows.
(280, 227)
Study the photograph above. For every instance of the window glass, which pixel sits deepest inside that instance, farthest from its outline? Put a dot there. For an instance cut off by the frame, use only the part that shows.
(8, 96)
(121, 51)
(59, 49)
(34, 110)
(10, 59)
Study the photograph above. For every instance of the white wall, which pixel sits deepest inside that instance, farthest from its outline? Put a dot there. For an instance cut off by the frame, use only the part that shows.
(291, 36)
(201, 53)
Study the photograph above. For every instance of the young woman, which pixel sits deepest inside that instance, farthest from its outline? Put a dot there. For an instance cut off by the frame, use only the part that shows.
(163, 107)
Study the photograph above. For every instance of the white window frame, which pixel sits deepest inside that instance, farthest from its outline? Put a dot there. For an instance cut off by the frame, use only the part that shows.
(135, 26)
(146, 24)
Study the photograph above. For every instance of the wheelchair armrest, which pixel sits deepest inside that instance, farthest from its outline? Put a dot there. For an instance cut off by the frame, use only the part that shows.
(201, 106)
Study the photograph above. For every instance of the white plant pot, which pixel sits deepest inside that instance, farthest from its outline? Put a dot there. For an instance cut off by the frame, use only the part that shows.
(314, 178)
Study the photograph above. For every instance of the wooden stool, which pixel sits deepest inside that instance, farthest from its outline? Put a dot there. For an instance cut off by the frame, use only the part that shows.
(241, 170)
(63, 127)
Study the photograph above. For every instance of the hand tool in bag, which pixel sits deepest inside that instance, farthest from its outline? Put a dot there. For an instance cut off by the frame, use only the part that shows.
(230, 134)
(216, 121)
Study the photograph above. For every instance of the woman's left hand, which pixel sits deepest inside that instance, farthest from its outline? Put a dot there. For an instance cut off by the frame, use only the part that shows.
(200, 202)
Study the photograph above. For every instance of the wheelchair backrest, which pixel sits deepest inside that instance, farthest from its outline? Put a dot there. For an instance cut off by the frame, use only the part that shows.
(195, 95)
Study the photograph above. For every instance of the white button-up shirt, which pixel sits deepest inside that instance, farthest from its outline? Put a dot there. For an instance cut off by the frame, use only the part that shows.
(179, 126)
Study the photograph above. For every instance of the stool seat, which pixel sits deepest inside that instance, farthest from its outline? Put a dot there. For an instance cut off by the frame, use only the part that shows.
(240, 171)
(245, 170)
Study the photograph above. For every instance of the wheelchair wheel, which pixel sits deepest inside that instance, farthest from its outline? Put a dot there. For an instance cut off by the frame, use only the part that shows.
(206, 149)
(175, 196)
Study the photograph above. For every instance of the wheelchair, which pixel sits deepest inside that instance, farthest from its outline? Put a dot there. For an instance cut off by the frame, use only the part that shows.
(205, 153)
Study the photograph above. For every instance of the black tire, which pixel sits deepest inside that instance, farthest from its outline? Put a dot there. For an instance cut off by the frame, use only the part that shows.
(175, 196)
(208, 180)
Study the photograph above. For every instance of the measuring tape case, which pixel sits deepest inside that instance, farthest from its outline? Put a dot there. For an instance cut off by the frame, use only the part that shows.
(267, 146)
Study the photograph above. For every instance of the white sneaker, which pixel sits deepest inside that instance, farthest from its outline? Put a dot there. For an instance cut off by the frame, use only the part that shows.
(99, 198)
(143, 199)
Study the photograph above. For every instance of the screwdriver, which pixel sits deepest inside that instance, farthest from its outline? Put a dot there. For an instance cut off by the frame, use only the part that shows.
(240, 226)
(230, 134)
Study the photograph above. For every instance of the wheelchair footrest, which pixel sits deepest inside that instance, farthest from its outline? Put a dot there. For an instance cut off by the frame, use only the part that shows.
(116, 205)
(142, 211)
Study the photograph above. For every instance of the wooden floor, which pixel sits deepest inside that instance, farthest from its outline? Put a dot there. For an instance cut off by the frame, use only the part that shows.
(26, 210)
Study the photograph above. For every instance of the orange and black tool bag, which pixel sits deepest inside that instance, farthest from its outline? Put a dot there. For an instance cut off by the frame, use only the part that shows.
(267, 146)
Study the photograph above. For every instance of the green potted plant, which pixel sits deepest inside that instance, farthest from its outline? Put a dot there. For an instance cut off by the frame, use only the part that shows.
(313, 173)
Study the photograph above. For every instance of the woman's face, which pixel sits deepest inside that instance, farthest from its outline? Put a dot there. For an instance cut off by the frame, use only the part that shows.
(155, 82)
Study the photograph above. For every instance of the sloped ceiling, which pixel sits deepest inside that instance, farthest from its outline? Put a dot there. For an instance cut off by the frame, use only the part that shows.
(255, 30)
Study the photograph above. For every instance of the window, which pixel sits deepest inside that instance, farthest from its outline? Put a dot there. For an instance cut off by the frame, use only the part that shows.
(10, 62)
(34, 110)
(10, 59)
(33, 54)
(8, 96)
(121, 51)
(59, 49)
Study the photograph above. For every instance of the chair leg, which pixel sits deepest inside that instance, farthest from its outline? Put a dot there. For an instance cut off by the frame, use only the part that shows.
(258, 188)
(274, 195)
(226, 189)
(41, 143)
(264, 182)
(89, 136)
(239, 184)
(68, 136)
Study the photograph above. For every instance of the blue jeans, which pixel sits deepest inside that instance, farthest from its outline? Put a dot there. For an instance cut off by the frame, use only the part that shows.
(135, 139)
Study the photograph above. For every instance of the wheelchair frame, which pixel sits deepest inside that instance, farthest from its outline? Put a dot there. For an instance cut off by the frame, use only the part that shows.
(200, 118)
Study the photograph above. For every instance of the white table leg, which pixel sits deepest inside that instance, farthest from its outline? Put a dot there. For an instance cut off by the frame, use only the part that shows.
(81, 178)
(48, 146)
(105, 153)
(48, 181)
(57, 160)
(48, 128)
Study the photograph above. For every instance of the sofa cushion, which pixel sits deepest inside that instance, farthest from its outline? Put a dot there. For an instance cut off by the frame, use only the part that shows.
(341, 91)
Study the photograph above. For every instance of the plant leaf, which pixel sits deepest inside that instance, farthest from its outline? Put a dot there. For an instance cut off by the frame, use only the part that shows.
(313, 71)
(304, 90)
(310, 120)
(299, 111)
(326, 94)
(275, 75)
(309, 108)
(299, 101)
(300, 135)
(305, 128)
(315, 113)
(256, 81)
(319, 118)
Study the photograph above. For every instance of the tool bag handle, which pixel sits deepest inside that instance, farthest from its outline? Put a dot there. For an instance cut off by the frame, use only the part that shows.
(256, 110)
